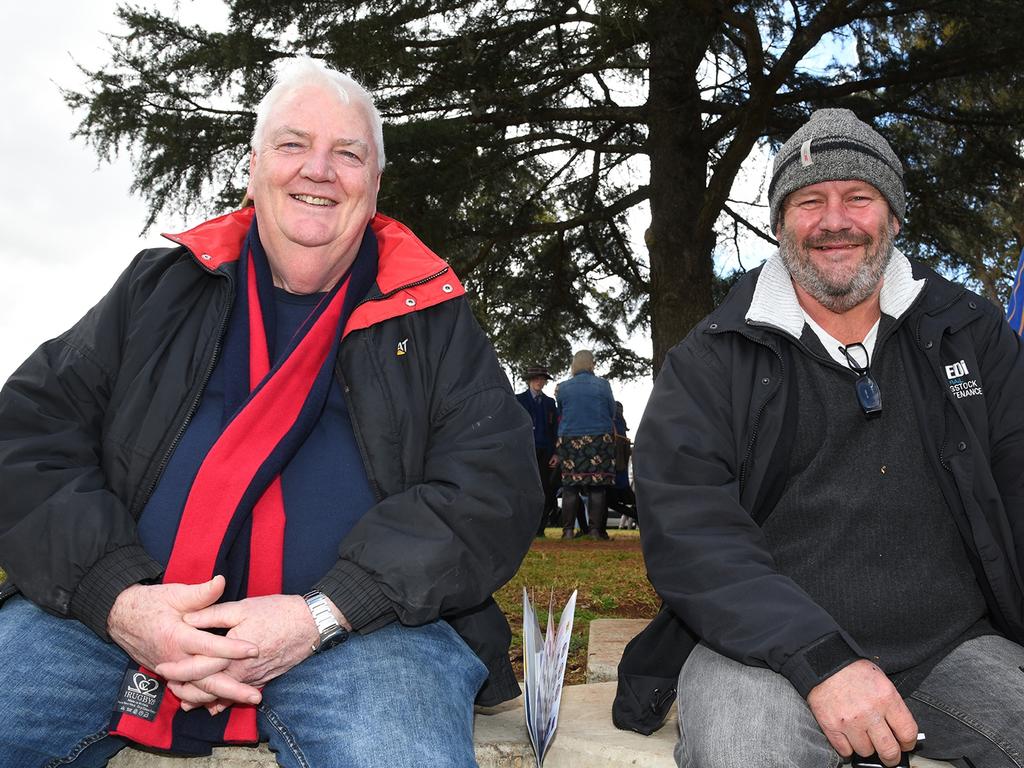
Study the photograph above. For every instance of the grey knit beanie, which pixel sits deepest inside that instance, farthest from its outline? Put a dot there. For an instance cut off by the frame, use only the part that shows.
(834, 145)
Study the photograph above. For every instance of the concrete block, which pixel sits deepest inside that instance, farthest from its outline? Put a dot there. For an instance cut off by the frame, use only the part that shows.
(585, 737)
(604, 649)
(222, 757)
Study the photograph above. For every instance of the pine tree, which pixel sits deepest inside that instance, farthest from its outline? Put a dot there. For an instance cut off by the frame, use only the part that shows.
(520, 135)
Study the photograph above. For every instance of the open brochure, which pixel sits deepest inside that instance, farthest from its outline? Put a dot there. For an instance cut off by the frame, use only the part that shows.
(544, 660)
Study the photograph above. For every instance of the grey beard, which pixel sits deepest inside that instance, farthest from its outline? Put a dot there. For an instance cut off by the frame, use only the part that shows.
(834, 296)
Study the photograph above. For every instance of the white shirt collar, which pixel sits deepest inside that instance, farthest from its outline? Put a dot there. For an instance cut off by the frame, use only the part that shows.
(775, 304)
(834, 346)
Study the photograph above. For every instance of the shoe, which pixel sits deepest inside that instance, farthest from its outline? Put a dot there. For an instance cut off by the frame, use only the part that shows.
(567, 535)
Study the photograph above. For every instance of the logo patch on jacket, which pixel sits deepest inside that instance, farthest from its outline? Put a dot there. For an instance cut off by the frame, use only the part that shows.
(401, 347)
(961, 384)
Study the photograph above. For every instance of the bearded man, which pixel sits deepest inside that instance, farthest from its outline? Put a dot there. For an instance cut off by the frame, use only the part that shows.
(829, 471)
(265, 489)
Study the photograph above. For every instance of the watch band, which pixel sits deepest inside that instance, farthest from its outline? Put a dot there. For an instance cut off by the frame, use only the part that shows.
(331, 632)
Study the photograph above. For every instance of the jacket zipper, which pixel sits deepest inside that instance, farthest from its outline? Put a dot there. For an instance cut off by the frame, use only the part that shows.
(659, 698)
(345, 388)
(942, 448)
(393, 291)
(760, 411)
(359, 436)
(917, 338)
(193, 406)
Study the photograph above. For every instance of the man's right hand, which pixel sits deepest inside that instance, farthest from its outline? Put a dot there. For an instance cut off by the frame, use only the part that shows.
(860, 710)
(146, 622)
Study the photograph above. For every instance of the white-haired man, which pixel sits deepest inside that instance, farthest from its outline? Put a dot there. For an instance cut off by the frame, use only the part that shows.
(280, 468)
(829, 475)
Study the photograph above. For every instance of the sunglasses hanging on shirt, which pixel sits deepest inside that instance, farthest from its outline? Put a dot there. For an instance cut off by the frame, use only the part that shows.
(868, 394)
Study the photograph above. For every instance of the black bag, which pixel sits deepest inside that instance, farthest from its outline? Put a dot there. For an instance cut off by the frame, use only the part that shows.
(649, 672)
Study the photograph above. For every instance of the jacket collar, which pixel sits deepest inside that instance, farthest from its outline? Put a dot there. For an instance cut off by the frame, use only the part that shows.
(774, 302)
(217, 241)
(409, 274)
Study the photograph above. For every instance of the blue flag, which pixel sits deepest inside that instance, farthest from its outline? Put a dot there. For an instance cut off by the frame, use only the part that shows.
(1015, 310)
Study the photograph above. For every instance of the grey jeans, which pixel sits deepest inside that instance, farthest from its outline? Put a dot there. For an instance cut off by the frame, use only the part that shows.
(970, 705)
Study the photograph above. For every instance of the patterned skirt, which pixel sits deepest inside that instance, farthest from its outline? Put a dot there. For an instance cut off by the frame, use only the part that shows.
(587, 459)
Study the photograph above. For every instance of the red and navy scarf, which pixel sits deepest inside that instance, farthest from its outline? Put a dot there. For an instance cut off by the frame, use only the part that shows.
(235, 504)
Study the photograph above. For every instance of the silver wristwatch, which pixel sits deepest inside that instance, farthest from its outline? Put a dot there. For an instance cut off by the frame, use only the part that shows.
(331, 632)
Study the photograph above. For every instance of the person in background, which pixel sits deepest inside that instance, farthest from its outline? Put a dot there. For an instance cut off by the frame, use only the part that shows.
(586, 444)
(544, 413)
(620, 497)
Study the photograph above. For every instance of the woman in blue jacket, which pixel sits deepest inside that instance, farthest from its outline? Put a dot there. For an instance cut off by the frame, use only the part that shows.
(586, 444)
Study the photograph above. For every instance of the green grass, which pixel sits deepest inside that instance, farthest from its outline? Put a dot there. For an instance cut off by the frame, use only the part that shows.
(611, 583)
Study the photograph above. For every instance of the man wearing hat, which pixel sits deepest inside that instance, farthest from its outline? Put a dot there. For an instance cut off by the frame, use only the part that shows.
(829, 470)
(545, 432)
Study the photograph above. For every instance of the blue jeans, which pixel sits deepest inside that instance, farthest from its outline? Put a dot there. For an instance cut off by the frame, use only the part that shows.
(970, 705)
(400, 696)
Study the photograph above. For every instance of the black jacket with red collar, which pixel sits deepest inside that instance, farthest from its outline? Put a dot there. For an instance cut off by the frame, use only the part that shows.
(88, 423)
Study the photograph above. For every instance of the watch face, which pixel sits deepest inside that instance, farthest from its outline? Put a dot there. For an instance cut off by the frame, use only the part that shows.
(336, 638)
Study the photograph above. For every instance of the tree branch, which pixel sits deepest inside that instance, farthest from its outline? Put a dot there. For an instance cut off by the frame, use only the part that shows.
(624, 203)
(756, 230)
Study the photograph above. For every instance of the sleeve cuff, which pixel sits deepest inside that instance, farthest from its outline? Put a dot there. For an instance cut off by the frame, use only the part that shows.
(107, 579)
(357, 596)
(818, 661)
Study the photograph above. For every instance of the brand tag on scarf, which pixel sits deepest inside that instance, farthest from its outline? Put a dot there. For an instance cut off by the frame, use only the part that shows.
(140, 694)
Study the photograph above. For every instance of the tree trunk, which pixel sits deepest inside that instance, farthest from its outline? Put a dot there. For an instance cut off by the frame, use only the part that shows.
(680, 255)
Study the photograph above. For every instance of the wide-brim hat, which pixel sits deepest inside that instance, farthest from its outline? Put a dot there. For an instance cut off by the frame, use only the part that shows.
(536, 370)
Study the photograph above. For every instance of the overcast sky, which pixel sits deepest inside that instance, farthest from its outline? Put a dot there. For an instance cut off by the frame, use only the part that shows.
(68, 224)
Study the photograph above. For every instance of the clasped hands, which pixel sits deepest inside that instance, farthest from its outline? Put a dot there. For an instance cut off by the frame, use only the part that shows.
(164, 627)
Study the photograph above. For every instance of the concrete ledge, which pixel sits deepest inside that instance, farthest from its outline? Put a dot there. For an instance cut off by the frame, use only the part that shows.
(585, 738)
(222, 757)
(604, 647)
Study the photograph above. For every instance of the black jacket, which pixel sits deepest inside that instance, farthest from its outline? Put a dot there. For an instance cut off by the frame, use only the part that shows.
(88, 422)
(713, 444)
